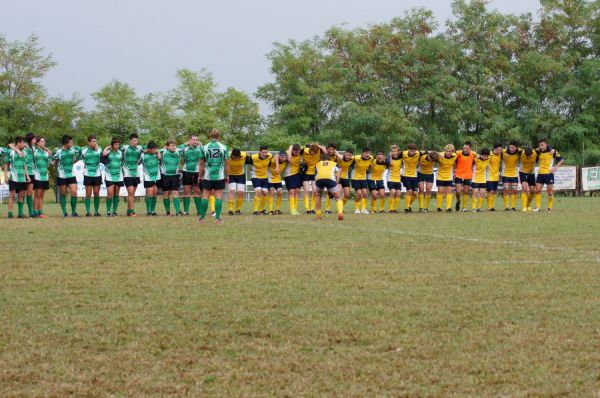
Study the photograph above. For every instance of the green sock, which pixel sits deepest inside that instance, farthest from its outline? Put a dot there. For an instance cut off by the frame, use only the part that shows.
(176, 203)
(20, 206)
(10, 214)
(115, 203)
(153, 204)
(186, 204)
(29, 199)
(109, 202)
(203, 208)
(197, 201)
(147, 202)
(218, 208)
(167, 204)
(96, 204)
(88, 204)
(73, 204)
(63, 204)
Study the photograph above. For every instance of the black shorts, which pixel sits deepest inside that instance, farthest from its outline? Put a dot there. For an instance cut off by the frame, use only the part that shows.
(217, 185)
(394, 185)
(425, 177)
(375, 185)
(410, 183)
(131, 181)
(31, 179)
(169, 183)
(260, 183)
(510, 180)
(293, 182)
(359, 184)
(66, 181)
(115, 183)
(529, 178)
(443, 183)
(276, 186)
(150, 184)
(17, 186)
(236, 179)
(545, 179)
(345, 183)
(462, 181)
(190, 178)
(45, 185)
(91, 181)
(479, 185)
(308, 177)
(491, 185)
(326, 183)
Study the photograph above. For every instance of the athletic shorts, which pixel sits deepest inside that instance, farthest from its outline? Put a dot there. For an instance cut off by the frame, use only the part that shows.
(425, 177)
(547, 179)
(91, 181)
(394, 185)
(359, 184)
(260, 183)
(491, 185)
(169, 183)
(17, 186)
(131, 181)
(510, 180)
(237, 183)
(65, 181)
(462, 181)
(330, 185)
(31, 179)
(479, 185)
(150, 184)
(375, 185)
(116, 183)
(410, 183)
(276, 185)
(293, 182)
(443, 183)
(308, 177)
(345, 183)
(529, 178)
(45, 185)
(217, 185)
(190, 178)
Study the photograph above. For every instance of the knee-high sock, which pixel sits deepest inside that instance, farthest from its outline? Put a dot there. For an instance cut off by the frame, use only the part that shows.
(538, 200)
(513, 200)
(29, 200)
(239, 203)
(88, 204)
(339, 204)
(306, 204)
(357, 204)
(505, 198)
(263, 202)
(439, 198)
(382, 204)
(270, 200)
(218, 208)
(490, 200)
(96, 204)
(197, 200)
(73, 204)
(480, 203)
(176, 203)
(373, 204)
(529, 199)
(397, 201)
(363, 203)
(313, 203)
(63, 204)
(20, 207)
(109, 202)
(474, 203)
(524, 200)
(154, 200)
(407, 201)
(550, 201)
(115, 203)
(427, 199)
(231, 204)
(203, 208)
(211, 202)
(148, 203)
(278, 203)
(449, 200)
(421, 200)
(291, 204)
(465, 199)
(256, 202)
(167, 204)
(186, 204)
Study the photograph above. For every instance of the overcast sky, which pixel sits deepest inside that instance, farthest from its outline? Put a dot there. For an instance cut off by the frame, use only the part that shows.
(143, 42)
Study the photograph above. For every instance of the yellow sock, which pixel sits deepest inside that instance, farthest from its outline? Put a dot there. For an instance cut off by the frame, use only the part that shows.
(538, 200)
(524, 200)
(278, 203)
(306, 206)
(449, 200)
(291, 202)
(397, 200)
(513, 200)
(263, 202)
(270, 199)
(407, 201)
(490, 201)
(231, 204)
(211, 202)
(529, 199)
(373, 204)
(313, 203)
(318, 211)
(344, 200)
(427, 200)
(339, 204)
(480, 203)
(327, 203)
(421, 200)
(256, 202)
(363, 203)
(240, 202)
(357, 204)
(474, 203)
(505, 198)
(382, 204)
(465, 199)
(550, 201)
(440, 200)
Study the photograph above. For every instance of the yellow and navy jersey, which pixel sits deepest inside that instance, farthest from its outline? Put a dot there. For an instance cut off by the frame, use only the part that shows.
(546, 159)
(528, 163)
(494, 169)
(445, 166)
(426, 165)
(360, 167)
(326, 170)
(236, 166)
(310, 160)
(260, 165)
(481, 167)
(395, 169)
(274, 177)
(410, 163)
(344, 166)
(510, 163)
(293, 167)
(377, 170)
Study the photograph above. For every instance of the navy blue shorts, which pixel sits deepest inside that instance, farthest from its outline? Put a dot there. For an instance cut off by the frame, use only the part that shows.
(510, 180)
(345, 183)
(425, 177)
(479, 185)
(131, 181)
(115, 183)
(260, 183)
(237, 179)
(17, 186)
(293, 182)
(217, 185)
(91, 181)
(308, 177)
(394, 185)
(547, 179)
(326, 183)
(491, 185)
(410, 183)
(150, 184)
(276, 186)
(188, 178)
(442, 183)
(462, 181)
(169, 182)
(375, 185)
(359, 184)
(65, 181)
(529, 178)
(45, 185)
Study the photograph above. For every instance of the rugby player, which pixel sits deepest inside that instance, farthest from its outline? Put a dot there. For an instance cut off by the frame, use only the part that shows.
(151, 165)
(237, 180)
(327, 178)
(410, 158)
(446, 161)
(345, 162)
(15, 171)
(463, 175)
(510, 179)
(64, 158)
(275, 182)
(375, 183)
(546, 158)
(493, 176)
(169, 177)
(92, 177)
(260, 181)
(482, 163)
(311, 155)
(425, 177)
(527, 177)
(131, 160)
(41, 162)
(113, 160)
(293, 177)
(214, 174)
(362, 163)
(394, 178)
(190, 152)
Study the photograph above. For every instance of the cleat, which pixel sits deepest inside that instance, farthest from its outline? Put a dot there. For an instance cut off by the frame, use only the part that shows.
(548, 210)
(278, 212)
(448, 210)
(168, 214)
(218, 221)
(439, 210)
(319, 216)
(97, 215)
(406, 210)
(478, 210)
(213, 214)
(474, 210)
(21, 216)
(202, 221)
(154, 214)
(108, 214)
(148, 214)
(410, 210)
(114, 214)
(186, 214)
(340, 216)
(231, 213)
(65, 215)
(421, 210)
(307, 211)
(465, 210)
(365, 211)
(507, 209)
(177, 214)
(536, 210)
(88, 214)
(524, 209)
(328, 212)
(74, 215)
(457, 206)
(425, 210)
(529, 209)
(381, 211)
(264, 213)
(271, 213)
(492, 209)
(294, 213)
(513, 209)
(357, 211)
(238, 213)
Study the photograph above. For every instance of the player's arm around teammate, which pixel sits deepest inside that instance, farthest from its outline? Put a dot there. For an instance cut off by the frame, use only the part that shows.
(547, 156)
(113, 178)
(527, 178)
(214, 171)
(425, 176)
(92, 177)
(293, 177)
(394, 178)
(446, 161)
(41, 161)
(327, 178)
(482, 162)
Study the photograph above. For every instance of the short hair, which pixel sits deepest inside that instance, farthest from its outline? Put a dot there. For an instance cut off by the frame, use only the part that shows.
(412, 147)
(513, 143)
(114, 141)
(433, 155)
(332, 145)
(263, 148)
(366, 149)
(65, 139)
(19, 139)
(29, 137)
(484, 151)
(283, 153)
(91, 137)
(314, 148)
(40, 137)
(296, 147)
(152, 145)
(236, 153)
(170, 142)
(193, 135)
(325, 156)
(449, 148)
(133, 135)
(380, 152)
(497, 145)
(350, 150)
(215, 134)
(468, 143)
(528, 151)
(542, 140)
(394, 146)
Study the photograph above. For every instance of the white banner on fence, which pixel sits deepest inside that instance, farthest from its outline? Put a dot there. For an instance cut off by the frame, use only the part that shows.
(565, 178)
(78, 169)
(590, 178)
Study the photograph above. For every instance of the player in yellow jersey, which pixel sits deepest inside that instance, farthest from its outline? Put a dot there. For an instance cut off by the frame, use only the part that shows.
(362, 163)
(331, 150)
(375, 183)
(293, 177)
(260, 181)
(425, 176)
(237, 180)
(311, 155)
(446, 161)
(410, 158)
(546, 158)
(510, 178)
(394, 178)
(527, 177)
(328, 178)
(493, 177)
(345, 161)
(482, 163)
(275, 182)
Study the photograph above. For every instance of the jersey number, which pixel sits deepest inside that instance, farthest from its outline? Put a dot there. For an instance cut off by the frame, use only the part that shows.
(214, 153)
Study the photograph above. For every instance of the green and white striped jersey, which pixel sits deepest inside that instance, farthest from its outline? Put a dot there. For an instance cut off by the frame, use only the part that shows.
(65, 159)
(16, 166)
(214, 154)
(114, 166)
(91, 160)
(190, 154)
(28, 151)
(41, 161)
(169, 162)
(151, 166)
(131, 161)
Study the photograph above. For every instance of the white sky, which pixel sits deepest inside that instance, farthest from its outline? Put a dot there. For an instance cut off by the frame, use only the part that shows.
(143, 42)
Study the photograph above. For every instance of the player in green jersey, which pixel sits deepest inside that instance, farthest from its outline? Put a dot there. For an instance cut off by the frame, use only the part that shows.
(16, 173)
(30, 141)
(190, 153)
(169, 167)
(151, 165)
(132, 154)
(113, 177)
(64, 158)
(41, 160)
(92, 175)
(214, 174)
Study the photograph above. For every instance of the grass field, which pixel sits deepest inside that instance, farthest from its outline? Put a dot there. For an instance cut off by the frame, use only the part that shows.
(398, 305)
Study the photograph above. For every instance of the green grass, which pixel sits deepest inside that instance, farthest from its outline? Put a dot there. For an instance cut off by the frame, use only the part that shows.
(399, 305)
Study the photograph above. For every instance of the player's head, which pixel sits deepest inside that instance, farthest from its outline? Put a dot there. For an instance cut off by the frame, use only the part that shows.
(314, 149)
(115, 143)
(171, 145)
(263, 151)
(497, 148)
(348, 154)
(412, 149)
(236, 153)
(395, 150)
(543, 144)
(134, 140)
(467, 147)
(380, 156)
(92, 141)
(331, 148)
(40, 141)
(20, 142)
(512, 147)
(283, 156)
(193, 141)
(484, 153)
(30, 139)
(528, 151)
(215, 135)
(152, 147)
(433, 156)
(448, 150)
(325, 157)
(67, 141)
(296, 149)
(366, 153)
